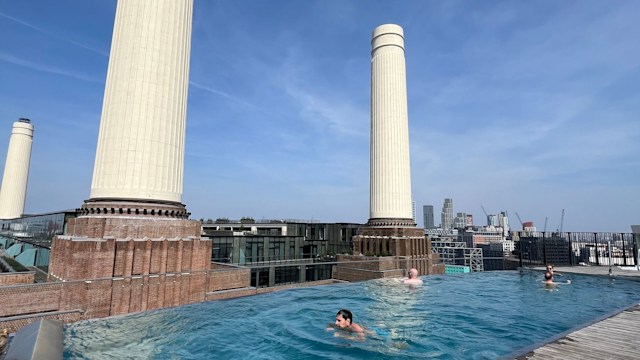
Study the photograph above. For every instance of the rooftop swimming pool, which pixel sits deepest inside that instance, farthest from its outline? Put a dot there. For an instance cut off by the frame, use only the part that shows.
(467, 316)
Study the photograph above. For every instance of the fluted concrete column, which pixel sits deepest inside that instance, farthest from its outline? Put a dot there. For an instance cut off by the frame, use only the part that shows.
(16, 170)
(390, 198)
(140, 153)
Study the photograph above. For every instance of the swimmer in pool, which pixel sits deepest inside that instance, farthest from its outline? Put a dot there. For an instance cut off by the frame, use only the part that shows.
(344, 321)
(550, 270)
(548, 280)
(413, 278)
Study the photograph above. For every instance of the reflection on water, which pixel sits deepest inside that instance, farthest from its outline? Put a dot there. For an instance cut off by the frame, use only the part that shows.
(478, 316)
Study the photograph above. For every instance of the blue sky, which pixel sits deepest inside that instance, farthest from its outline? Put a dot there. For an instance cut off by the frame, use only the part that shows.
(520, 106)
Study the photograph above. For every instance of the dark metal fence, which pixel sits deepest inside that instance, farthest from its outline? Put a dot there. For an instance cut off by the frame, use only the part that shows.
(576, 248)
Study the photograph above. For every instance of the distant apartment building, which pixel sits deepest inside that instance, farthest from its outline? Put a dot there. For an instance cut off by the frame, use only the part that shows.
(460, 221)
(280, 251)
(469, 220)
(492, 259)
(482, 236)
(446, 216)
(554, 250)
(506, 246)
(503, 221)
(492, 220)
(427, 214)
(528, 226)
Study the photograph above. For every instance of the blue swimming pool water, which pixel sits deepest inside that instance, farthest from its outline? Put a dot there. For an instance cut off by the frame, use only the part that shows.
(467, 316)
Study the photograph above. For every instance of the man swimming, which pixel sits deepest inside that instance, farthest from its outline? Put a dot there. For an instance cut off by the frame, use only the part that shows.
(413, 277)
(344, 321)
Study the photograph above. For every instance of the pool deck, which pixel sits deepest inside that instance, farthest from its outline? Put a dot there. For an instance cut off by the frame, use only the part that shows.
(615, 337)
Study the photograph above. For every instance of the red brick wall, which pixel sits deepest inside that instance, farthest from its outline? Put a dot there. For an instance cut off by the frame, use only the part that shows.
(84, 258)
(358, 268)
(13, 325)
(109, 297)
(73, 295)
(98, 298)
(157, 227)
(224, 277)
(17, 278)
(26, 299)
(81, 258)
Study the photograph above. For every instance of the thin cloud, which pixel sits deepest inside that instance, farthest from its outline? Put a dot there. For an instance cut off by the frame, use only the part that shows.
(51, 34)
(46, 68)
(230, 97)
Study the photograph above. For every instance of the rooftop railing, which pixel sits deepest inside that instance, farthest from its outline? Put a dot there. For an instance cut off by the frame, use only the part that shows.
(577, 248)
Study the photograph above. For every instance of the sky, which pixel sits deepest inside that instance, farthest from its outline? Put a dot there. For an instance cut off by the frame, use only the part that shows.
(529, 107)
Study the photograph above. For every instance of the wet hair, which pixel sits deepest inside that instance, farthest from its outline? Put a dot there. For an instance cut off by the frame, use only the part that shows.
(548, 276)
(346, 314)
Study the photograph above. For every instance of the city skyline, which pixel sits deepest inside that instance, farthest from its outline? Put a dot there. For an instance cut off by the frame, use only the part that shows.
(519, 107)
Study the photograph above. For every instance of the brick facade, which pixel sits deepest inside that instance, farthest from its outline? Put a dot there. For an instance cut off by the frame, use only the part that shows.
(105, 227)
(74, 258)
(388, 252)
(11, 278)
(13, 324)
(111, 265)
(86, 299)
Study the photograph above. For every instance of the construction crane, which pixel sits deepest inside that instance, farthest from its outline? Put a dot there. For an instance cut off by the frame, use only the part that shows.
(486, 215)
(561, 222)
(521, 224)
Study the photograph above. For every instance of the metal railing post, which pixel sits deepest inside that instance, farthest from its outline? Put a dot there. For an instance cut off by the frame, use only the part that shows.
(595, 239)
(520, 252)
(544, 248)
(570, 249)
(624, 251)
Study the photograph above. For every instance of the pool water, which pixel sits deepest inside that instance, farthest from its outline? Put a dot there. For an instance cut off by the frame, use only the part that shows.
(466, 316)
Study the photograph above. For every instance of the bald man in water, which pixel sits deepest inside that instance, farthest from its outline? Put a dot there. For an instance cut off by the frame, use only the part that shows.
(413, 277)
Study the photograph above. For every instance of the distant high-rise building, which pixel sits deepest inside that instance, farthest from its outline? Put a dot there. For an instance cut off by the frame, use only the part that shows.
(503, 220)
(16, 170)
(413, 210)
(447, 214)
(427, 214)
(492, 220)
(460, 221)
(469, 220)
